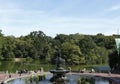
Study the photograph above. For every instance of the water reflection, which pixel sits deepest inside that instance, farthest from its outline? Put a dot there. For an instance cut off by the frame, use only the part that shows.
(12, 66)
(101, 81)
(73, 80)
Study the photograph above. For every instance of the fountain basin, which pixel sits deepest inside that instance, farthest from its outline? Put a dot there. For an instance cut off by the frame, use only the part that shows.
(59, 75)
(73, 78)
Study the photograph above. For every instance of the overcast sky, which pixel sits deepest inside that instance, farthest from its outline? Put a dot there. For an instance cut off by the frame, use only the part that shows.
(20, 17)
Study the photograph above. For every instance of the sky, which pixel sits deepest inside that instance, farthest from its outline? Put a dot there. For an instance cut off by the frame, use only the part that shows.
(20, 17)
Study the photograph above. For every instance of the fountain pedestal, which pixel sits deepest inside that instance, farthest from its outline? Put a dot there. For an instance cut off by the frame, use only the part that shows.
(59, 74)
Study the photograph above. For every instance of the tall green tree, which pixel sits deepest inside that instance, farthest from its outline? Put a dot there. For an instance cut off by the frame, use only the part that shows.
(40, 42)
(86, 45)
(109, 42)
(100, 53)
(114, 61)
(71, 53)
(75, 38)
(8, 48)
(1, 44)
(99, 39)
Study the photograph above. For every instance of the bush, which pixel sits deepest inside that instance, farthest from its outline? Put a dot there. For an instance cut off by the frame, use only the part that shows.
(86, 81)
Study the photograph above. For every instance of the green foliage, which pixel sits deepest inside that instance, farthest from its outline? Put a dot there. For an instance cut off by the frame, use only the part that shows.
(86, 44)
(8, 48)
(36, 79)
(28, 59)
(71, 53)
(76, 48)
(99, 40)
(109, 42)
(114, 61)
(99, 53)
(86, 81)
(1, 46)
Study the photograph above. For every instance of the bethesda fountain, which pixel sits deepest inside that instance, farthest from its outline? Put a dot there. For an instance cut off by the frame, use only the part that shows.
(59, 74)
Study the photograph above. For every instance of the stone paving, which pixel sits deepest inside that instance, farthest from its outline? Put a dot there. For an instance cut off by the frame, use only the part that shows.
(7, 77)
(100, 74)
(4, 76)
(113, 77)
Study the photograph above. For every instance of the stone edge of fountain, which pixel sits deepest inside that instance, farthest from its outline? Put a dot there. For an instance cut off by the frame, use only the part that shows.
(114, 79)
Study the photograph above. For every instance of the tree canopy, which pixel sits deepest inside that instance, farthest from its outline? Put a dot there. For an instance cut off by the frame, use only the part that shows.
(76, 48)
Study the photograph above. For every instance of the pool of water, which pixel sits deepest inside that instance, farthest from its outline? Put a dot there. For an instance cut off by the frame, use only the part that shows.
(72, 80)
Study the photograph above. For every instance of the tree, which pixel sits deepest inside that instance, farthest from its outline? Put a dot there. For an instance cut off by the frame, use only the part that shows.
(114, 61)
(71, 53)
(62, 38)
(1, 45)
(75, 38)
(76, 48)
(23, 48)
(99, 39)
(41, 44)
(109, 42)
(8, 48)
(99, 53)
(86, 44)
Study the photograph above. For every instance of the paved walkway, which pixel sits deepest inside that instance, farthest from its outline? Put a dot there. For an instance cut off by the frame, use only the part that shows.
(5, 77)
(100, 74)
(113, 77)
